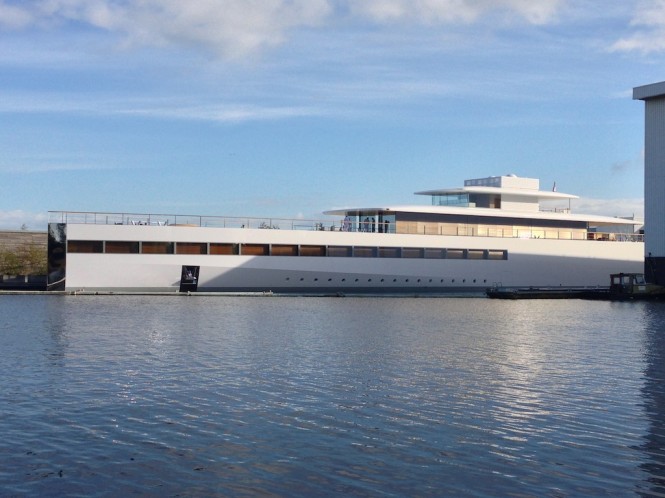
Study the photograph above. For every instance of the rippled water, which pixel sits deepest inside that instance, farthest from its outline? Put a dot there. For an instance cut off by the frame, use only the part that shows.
(232, 396)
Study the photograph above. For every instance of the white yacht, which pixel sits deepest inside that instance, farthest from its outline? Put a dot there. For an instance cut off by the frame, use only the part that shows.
(492, 232)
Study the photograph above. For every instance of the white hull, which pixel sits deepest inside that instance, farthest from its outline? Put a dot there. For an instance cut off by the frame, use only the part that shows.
(528, 263)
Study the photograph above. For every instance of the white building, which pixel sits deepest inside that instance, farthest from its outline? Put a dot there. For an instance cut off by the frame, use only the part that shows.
(654, 179)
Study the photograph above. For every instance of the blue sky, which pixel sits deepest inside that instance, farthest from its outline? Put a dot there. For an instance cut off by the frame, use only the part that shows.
(287, 108)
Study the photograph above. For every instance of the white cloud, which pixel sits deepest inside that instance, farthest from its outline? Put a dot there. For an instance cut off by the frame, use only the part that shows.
(221, 113)
(456, 11)
(152, 107)
(609, 207)
(42, 166)
(649, 21)
(14, 17)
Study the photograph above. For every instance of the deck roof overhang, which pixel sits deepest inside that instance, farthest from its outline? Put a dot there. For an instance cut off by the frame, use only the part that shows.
(592, 220)
(516, 192)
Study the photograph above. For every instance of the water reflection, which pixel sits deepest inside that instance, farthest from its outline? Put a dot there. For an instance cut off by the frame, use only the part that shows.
(654, 400)
(232, 396)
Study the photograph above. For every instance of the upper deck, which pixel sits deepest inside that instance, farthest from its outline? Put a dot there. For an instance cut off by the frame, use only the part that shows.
(371, 221)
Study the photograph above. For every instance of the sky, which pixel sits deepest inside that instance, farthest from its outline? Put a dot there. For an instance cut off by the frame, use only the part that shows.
(287, 108)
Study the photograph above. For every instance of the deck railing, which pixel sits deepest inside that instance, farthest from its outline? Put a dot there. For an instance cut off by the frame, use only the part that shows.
(337, 225)
(102, 218)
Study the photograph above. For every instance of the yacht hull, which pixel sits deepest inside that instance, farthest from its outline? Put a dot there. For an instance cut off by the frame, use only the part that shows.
(521, 262)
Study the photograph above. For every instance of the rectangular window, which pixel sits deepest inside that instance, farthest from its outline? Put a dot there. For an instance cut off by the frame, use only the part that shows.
(157, 247)
(254, 249)
(475, 254)
(430, 229)
(412, 252)
(497, 255)
(312, 250)
(455, 253)
(121, 247)
(407, 227)
(449, 229)
(191, 248)
(434, 253)
(224, 249)
(364, 252)
(283, 250)
(339, 251)
(85, 246)
(389, 252)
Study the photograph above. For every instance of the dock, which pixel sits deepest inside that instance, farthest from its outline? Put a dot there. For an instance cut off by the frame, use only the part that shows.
(549, 293)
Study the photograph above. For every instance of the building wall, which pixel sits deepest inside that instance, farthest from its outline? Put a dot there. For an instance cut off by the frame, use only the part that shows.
(653, 96)
(654, 177)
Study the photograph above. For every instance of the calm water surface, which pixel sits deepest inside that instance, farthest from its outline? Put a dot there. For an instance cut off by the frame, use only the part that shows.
(233, 396)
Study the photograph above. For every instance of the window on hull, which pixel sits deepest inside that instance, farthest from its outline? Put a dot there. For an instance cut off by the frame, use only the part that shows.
(85, 246)
(231, 249)
(390, 252)
(157, 248)
(254, 249)
(312, 250)
(340, 251)
(191, 248)
(283, 250)
(121, 247)
(224, 249)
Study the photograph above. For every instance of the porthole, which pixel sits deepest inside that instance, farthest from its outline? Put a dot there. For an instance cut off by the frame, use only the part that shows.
(343, 280)
(464, 280)
(453, 280)
(316, 279)
(394, 280)
(474, 280)
(369, 279)
(407, 280)
(381, 280)
(430, 280)
(288, 278)
(484, 280)
(330, 280)
(418, 280)
(441, 280)
(301, 279)
(356, 279)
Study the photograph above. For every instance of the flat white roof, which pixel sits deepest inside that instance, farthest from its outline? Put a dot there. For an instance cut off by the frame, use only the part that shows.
(652, 91)
(519, 192)
(494, 213)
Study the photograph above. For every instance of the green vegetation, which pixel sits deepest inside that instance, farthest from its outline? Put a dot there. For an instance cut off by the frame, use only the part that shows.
(27, 259)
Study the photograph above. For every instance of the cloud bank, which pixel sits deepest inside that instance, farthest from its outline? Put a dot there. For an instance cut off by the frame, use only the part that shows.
(233, 29)
(237, 28)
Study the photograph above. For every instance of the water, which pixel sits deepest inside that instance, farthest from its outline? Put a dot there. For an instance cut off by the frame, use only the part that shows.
(226, 396)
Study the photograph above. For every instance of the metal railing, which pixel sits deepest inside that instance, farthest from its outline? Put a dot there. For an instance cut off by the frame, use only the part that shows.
(102, 218)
